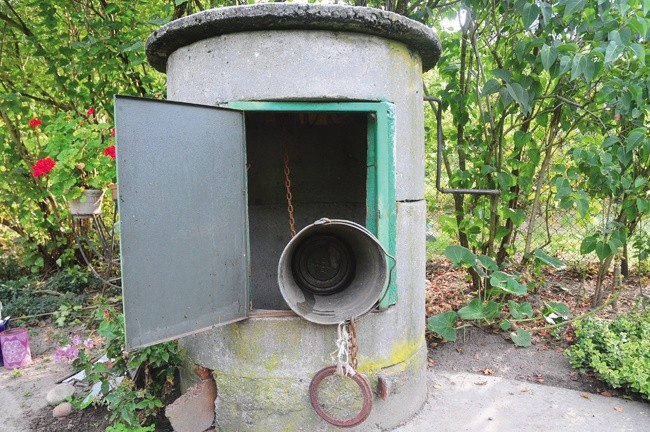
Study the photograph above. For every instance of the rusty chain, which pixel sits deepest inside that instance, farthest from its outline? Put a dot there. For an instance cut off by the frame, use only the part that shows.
(354, 348)
(289, 195)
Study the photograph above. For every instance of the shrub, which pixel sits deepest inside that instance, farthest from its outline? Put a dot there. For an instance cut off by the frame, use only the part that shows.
(130, 404)
(618, 351)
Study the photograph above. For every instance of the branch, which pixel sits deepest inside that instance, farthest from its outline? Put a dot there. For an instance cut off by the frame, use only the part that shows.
(20, 25)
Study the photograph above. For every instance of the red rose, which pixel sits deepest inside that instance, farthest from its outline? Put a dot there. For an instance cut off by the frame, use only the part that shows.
(90, 111)
(110, 151)
(43, 166)
(35, 122)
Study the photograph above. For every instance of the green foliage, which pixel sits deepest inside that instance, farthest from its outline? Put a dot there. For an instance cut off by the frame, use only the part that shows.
(618, 351)
(62, 294)
(121, 427)
(496, 287)
(66, 58)
(26, 296)
(521, 338)
(547, 102)
(11, 268)
(443, 325)
(67, 314)
(127, 404)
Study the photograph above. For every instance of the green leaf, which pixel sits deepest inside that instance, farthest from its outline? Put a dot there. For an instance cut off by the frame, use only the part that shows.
(505, 325)
(520, 310)
(582, 203)
(545, 258)
(634, 138)
(490, 87)
(549, 55)
(487, 262)
(443, 325)
(530, 14)
(133, 47)
(602, 251)
(517, 92)
(588, 245)
(521, 338)
(476, 310)
(643, 205)
(639, 51)
(578, 65)
(112, 8)
(460, 255)
(613, 51)
(572, 6)
(518, 217)
(610, 141)
(508, 283)
(559, 309)
(502, 74)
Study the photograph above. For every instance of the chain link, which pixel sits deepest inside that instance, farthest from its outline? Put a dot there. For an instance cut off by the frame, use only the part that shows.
(287, 185)
(354, 349)
(346, 352)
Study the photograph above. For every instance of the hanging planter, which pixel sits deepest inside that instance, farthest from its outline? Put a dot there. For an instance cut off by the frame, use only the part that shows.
(89, 204)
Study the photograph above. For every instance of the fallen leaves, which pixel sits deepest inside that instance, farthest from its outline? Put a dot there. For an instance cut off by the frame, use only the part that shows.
(584, 396)
(618, 409)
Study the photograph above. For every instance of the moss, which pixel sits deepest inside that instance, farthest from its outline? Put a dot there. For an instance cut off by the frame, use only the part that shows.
(401, 353)
(271, 363)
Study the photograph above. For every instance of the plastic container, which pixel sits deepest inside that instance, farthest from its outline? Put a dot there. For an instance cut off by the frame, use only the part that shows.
(15, 348)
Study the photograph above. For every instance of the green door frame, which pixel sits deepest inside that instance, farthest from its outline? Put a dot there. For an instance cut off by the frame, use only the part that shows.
(381, 211)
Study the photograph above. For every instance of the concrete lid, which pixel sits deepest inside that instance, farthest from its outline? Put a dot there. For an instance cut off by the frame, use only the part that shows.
(292, 16)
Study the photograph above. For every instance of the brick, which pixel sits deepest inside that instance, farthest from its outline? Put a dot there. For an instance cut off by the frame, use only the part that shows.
(194, 411)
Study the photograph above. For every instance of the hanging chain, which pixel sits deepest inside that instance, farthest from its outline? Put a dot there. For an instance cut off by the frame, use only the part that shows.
(354, 349)
(346, 352)
(287, 185)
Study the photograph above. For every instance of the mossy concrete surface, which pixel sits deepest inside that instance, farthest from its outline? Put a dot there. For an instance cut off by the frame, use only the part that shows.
(282, 403)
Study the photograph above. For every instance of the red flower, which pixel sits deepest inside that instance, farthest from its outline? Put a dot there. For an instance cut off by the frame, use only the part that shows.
(110, 152)
(113, 132)
(90, 111)
(43, 166)
(35, 122)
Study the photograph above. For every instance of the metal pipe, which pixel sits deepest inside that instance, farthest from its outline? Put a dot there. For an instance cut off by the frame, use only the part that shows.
(441, 146)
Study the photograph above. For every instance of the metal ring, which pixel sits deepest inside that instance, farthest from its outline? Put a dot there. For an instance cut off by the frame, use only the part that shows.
(363, 385)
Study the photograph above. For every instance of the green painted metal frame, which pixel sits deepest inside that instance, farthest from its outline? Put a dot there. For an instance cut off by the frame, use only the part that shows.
(381, 210)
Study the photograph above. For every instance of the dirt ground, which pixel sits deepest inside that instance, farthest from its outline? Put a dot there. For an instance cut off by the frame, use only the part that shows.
(489, 351)
(480, 351)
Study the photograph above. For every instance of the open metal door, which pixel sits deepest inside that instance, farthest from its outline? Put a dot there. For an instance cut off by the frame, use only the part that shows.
(183, 218)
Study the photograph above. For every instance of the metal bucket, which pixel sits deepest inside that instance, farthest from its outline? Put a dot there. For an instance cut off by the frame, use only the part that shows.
(332, 270)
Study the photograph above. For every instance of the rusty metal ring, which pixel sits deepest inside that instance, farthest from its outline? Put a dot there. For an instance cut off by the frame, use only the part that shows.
(363, 385)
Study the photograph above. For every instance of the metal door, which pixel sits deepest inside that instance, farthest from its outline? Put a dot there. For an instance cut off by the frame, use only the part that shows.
(183, 218)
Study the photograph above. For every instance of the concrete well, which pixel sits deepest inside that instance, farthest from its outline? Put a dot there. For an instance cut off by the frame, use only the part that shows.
(287, 66)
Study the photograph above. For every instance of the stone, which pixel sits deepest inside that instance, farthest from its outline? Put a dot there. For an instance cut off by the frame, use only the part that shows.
(62, 410)
(59, 393)
(193, 411)
(292, 16)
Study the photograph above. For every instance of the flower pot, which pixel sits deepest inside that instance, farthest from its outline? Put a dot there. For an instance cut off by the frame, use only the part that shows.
(113, 188)
(89, 204)
(15, 348)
